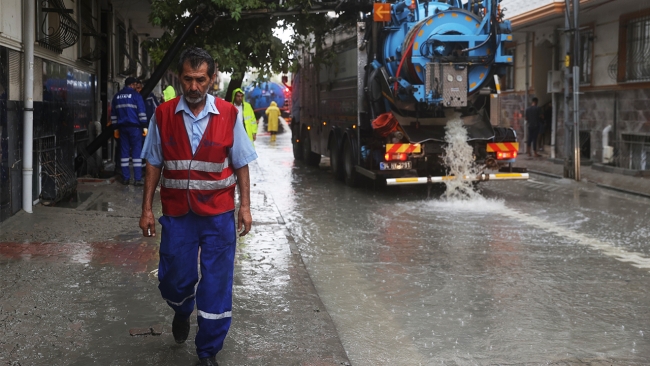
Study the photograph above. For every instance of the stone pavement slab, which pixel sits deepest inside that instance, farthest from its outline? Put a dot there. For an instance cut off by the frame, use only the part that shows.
(78, 286)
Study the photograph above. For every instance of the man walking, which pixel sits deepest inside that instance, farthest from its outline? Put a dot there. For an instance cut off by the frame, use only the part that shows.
(533, 117)
(205, 153)
(129, 115)
(246, 112)
(273, 114)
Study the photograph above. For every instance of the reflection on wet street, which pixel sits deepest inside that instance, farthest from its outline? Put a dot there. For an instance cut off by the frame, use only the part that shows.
(544, 272)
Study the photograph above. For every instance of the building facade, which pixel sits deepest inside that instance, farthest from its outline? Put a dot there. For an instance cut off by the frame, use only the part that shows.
(614, 77)
(83, 52)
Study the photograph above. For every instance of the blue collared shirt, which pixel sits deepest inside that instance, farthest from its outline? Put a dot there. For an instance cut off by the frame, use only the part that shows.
(242, 151)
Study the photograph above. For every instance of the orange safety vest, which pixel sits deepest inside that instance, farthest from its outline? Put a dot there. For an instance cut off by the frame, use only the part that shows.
(203, 182)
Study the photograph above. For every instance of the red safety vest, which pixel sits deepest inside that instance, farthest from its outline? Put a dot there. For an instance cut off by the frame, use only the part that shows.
(203, 182)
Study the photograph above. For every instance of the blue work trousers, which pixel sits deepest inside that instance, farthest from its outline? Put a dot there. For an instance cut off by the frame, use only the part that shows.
(131, 147)
(178, 274)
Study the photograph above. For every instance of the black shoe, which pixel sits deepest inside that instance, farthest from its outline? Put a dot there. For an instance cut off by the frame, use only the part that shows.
(139, 182)
(209, 361)
(125, 182)
(180, 328)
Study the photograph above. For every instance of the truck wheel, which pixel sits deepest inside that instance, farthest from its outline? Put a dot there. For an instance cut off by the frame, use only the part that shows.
(350, 173)
(311, 158)
(297, 146)
(336, 159)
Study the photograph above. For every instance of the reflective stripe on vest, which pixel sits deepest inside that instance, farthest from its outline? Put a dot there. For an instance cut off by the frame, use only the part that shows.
(203, 185)
(203, 166)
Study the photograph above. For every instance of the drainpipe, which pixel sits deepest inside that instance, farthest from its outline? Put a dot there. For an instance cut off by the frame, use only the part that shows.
(28, 97)
(553, 97)
(526, 71)
(608, 151)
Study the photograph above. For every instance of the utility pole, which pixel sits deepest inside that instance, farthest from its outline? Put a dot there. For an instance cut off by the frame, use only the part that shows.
(576, 89)
(572, 130)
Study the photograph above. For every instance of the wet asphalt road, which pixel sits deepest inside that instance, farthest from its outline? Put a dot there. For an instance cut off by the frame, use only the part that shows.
(541, 272)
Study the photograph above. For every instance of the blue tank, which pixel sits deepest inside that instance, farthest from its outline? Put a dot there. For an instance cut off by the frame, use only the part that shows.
(423, 38)
(260, 95)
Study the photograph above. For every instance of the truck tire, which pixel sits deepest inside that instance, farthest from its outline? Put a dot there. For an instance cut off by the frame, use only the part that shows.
(350, 173)
(336, 158)
(310, 157)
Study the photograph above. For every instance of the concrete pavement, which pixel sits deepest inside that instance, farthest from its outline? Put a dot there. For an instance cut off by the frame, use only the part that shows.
(78, 286)
(590, 174)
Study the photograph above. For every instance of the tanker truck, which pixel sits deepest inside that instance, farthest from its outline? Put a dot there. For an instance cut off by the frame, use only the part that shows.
(399, 75)
(261, 94)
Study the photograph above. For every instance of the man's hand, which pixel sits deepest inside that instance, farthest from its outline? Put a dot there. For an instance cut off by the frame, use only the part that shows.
(148, 223)
(244, 220)
(254, 137)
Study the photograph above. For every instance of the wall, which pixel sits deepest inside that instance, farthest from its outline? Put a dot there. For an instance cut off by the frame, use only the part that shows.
(61, 118)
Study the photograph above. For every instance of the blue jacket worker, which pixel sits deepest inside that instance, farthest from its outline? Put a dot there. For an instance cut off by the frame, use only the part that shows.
(130, 117)
(205, 153)
(151, 103)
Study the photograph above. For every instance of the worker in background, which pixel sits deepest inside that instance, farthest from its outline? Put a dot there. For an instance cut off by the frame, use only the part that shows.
(273, 113)
(198, 202)
(169, 93)
(533, 119)
(246, 114)
(151, 103)
(130, 117)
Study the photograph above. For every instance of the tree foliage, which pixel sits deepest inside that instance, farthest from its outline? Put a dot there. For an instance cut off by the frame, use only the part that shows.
(239, 33)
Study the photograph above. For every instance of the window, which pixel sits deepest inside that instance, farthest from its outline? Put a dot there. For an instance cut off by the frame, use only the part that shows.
(634, 47)
(636, 152)
(56, 28)
(135, 49)
(638, 53)
(509, 82)
(90, 40)
(122, 60)
(145, 61)
(586, 55)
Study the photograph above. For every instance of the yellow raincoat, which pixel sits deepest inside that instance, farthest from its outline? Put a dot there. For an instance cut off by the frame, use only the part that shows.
(273, 112)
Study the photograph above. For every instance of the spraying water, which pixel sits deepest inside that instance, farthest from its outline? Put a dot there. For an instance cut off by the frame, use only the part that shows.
(459, 159)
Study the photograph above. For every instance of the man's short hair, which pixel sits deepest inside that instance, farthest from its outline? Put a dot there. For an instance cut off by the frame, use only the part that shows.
(239, 92)
(196, 56)
(535, 100)
(131, 80)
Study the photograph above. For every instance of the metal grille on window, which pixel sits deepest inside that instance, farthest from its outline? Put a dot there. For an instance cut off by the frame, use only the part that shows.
(126, 64)
(637, 66)
(586, 52)
(92, 43)
(57, 180)
(633, 152)
(57, 28)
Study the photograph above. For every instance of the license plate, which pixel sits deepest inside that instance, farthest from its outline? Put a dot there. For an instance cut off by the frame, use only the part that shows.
(399, 165)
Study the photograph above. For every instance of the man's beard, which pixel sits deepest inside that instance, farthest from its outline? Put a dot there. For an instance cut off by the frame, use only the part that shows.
(195, 100)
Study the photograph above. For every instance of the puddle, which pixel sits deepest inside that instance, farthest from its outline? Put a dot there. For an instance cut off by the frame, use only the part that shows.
(75, 200)
(134, 257)
(102, 206)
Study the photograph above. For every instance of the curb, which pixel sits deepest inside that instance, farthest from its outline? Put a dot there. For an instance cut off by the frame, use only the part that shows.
(635, 193)
(538, 172)
(622, 190)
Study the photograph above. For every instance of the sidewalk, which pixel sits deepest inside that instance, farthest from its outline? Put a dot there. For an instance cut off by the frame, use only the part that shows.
(589, 174)
(78, 286)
